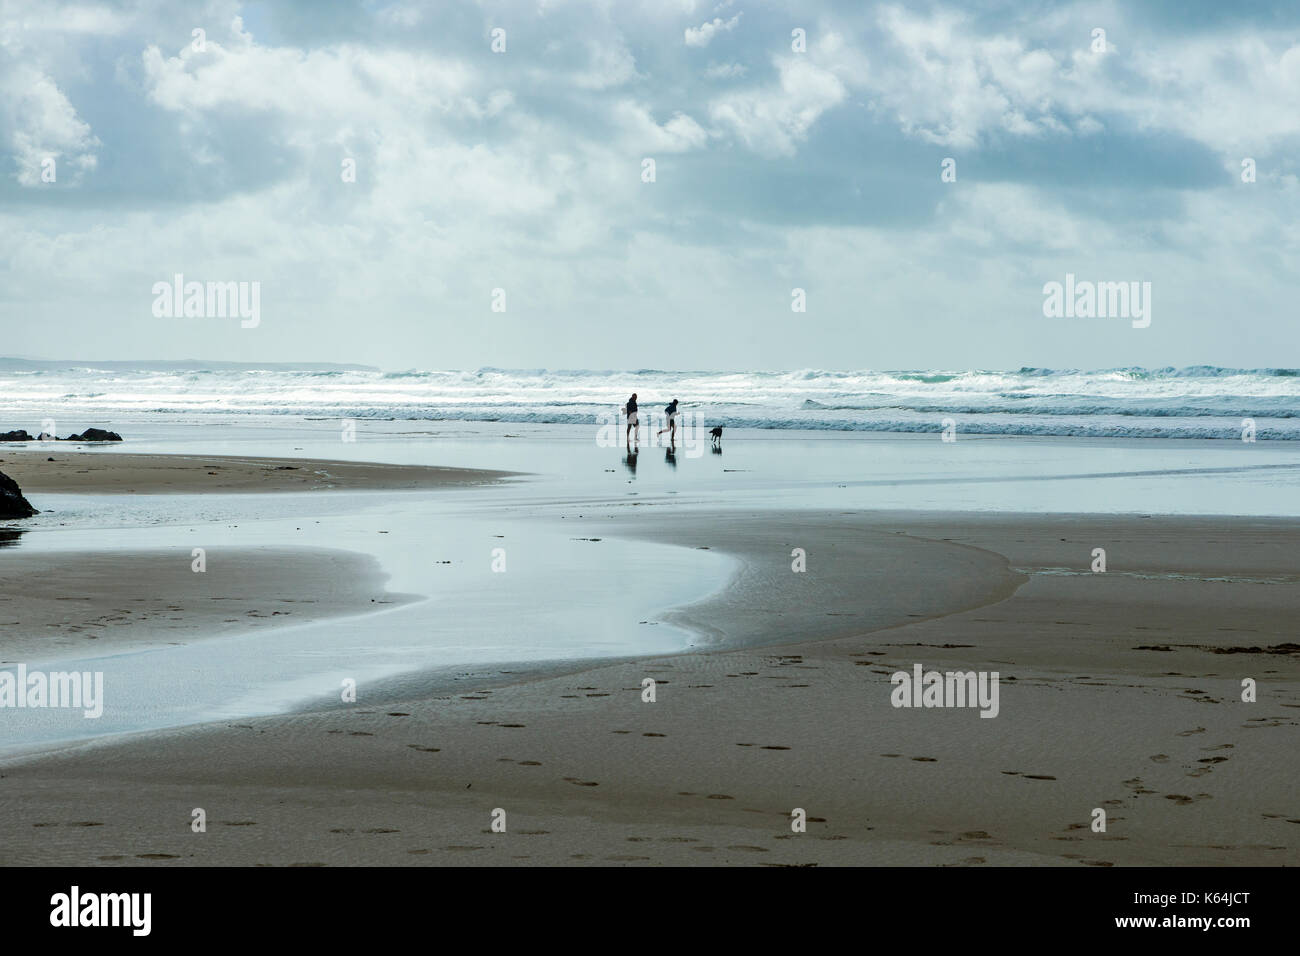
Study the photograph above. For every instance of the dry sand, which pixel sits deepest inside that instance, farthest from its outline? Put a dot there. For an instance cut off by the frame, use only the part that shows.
(102, 472)
(1120, 691)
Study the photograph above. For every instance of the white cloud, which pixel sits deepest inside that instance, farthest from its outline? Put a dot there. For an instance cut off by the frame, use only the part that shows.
(39, 123)
(772, 121)
(703, 35)
(945, 82)
(679, 134)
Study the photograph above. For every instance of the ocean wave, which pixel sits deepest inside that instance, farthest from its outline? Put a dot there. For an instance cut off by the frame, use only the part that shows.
(1201, 401)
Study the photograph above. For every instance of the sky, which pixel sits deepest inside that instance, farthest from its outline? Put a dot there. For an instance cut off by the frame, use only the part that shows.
(461, 185)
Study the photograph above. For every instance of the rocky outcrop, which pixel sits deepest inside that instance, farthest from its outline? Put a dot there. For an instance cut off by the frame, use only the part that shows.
(12, 502)
(90, 434)
(95, 434)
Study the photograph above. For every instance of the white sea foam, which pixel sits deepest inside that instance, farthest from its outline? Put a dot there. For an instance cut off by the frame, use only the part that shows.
(1196, 402)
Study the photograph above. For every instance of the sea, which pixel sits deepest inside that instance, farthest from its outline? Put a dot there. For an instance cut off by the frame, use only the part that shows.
(1202, 402)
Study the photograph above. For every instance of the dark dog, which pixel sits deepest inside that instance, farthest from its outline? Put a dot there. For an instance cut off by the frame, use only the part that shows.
(716, 434)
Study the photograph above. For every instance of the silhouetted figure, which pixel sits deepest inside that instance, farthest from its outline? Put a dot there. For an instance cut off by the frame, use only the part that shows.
(671, 411)
(630, 460)
(632, 422)
(670, 455)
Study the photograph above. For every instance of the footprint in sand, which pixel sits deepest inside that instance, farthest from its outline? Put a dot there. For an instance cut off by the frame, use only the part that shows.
(626, 859)
(581, 783)
(530, 763)
(1038, 776)
(654, 735)
(455, 849)
(425, 750)
(361, 733)
(1188, 733)
(156, 856)
(773, 747)
(381, 830)
(1160, 758)
(1178, 798)
(719, 796)
(514, 725)
(397, 713)
(240, 823)
(748, 849)
(926, 759)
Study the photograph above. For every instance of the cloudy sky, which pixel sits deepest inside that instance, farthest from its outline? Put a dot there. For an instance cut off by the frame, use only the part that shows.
(774, 169)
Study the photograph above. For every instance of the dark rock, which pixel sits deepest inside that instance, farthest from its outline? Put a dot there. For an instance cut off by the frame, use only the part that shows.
(95, 434)
(12, 502)
(19, 435)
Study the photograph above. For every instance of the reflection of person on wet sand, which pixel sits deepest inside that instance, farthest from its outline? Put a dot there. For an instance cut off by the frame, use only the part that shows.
(670, 455)
(630, 460)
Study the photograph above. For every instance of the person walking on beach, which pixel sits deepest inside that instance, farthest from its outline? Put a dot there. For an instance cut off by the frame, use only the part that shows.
(671, 411)
(630, 410)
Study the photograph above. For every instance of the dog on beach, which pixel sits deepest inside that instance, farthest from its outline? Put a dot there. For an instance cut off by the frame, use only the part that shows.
(716, 435)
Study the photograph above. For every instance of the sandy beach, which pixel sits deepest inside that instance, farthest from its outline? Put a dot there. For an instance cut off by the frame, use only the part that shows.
(66, 603)
(1120, 691)
(52, 470)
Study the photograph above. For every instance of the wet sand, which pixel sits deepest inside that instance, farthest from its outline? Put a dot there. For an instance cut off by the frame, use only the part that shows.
(111, 472)
(1120, 691)
(71, 603)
